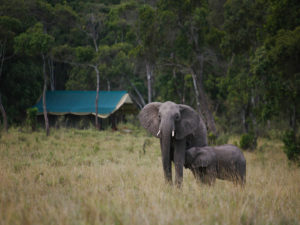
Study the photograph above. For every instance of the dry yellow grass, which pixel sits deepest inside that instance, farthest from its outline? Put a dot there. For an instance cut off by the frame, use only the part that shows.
(89, 177)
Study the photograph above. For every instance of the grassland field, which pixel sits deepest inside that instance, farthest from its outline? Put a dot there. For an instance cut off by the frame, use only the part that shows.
(85, 177)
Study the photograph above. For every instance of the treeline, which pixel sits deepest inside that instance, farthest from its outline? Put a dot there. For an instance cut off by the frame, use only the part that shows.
(237, 61)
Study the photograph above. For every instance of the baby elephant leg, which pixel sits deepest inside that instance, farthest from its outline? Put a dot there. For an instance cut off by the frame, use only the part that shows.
(211, 175)
(205, 175)
(242, 173)
(237, 178)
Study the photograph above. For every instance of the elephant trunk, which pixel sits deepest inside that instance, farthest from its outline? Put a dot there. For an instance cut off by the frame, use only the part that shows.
(166, 131)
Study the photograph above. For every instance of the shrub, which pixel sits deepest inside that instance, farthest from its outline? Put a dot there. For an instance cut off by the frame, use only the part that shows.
(248, 141)
(84, 123)
(217, 140)
(222, 139)
(31, 120)
(291, 146)
(212, 138)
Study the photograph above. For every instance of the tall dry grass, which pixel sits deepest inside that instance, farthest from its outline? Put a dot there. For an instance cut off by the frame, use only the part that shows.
(89, 177)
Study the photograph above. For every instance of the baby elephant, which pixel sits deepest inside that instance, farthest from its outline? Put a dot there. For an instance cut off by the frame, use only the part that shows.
(225, 162)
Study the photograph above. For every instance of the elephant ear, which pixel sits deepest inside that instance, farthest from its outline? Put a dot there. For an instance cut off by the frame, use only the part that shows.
(149, 117)
(188, 123)
(203, 158)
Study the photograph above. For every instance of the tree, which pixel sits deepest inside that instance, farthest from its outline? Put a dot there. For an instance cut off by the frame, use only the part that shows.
(243, 25)
(121, 32)
(235, 61)
(277, 66)
(8, 28)
(84, 56)
(186, 45)
(146, 51)
(35, 42)
(92, 25)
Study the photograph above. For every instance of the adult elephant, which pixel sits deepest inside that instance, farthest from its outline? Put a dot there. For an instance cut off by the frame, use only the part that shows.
(178, 127)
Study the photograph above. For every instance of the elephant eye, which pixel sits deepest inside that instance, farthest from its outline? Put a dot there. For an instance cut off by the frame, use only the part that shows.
(177, 117)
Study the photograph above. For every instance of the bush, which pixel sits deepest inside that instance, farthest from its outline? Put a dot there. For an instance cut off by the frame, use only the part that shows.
(291, 146)
(217, 140)
(222, 139)
(84, 123)
(248, 141)
(212, 138)
(31, 120)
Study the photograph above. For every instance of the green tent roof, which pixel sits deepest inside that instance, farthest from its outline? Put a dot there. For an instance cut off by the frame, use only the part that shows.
(83, 102)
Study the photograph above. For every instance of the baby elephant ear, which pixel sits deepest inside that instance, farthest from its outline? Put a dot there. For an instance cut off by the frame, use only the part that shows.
(149, 117)
(188, 123)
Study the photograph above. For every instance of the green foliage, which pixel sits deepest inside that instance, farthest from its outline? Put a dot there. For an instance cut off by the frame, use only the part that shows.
(222, 139)
(274, 65)
(63, 52)
(79, 79)
(34, 41)
(211, 138)
(8, 25)
(248, 141)
(23, 79)
(85, 54)
(31, 119)
(282, 15)
(65, 17)
(291, 146)
(250, 52)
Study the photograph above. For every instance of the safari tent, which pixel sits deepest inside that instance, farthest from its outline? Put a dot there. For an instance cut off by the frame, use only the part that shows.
(82, 103)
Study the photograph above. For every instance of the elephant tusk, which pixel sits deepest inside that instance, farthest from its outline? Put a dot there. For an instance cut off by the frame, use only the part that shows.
(158, 133)
(173, 132)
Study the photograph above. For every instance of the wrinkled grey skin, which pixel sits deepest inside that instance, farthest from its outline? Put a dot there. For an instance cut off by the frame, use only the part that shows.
(178, 127)
(225, 162)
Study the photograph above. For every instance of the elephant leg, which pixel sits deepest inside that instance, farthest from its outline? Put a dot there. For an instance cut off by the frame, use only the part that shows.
(209, 179)
(205, 175)
(179, 159)
(166, 161)
(196, 174)
(211, 175)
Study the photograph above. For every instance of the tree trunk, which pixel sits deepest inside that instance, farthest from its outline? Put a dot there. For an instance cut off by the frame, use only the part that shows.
(244, 122)
(140, 106)
(141, 99)
(97, 99)
(207, 113)
(179, 93)
(293, 118)
(108, 85)
(44, 96)
(3, 115)
(252, 116)
(196, 92)
(149, 71)
(2, 54)
(201, 98)
(183, 91)
(95, 43)
(51, 72)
